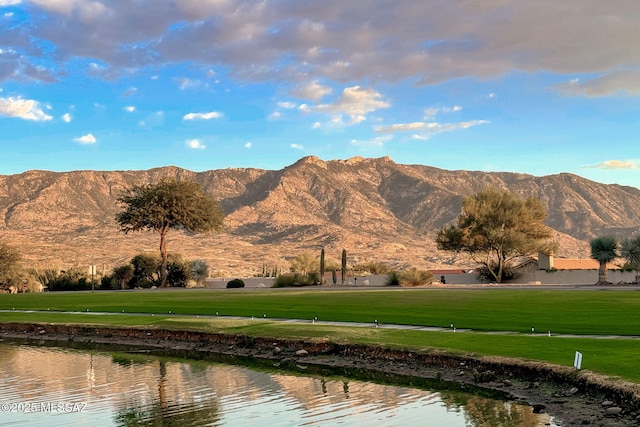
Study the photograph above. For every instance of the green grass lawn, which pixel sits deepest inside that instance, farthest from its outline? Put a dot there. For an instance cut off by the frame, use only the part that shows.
(568, 312)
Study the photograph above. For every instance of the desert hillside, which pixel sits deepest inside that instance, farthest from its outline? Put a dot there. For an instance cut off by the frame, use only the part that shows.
(375, 208)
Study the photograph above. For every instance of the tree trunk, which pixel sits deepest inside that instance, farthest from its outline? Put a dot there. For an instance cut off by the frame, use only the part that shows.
(163, 255)
(602, 273)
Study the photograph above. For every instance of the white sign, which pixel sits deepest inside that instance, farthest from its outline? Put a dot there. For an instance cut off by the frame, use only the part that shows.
(577, 362)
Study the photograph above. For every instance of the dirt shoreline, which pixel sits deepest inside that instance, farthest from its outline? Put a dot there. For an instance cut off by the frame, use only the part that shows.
(571, 397)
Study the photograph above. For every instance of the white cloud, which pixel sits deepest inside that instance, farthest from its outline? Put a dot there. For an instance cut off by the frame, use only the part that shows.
(129, 108)
(26, 109)
(354, 102)
(297, 146)
(620, 82)
(316, 125)
(401, 127)
(287, 105)
(378, 141)
(247, 145)
(312, 91)
(86, 139)
(431, 112)
(196, 144)
(616, 165)
(186, 83)
(202, 116)
(130, 91)
(428, 129)
(275, 115)
(67, 118)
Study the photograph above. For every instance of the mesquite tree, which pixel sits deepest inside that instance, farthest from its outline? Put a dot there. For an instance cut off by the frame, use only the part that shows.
(168, 204)
(495, 227)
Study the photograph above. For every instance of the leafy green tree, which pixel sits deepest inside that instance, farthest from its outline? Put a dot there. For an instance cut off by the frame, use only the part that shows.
(630, 251)
(145, 270)
(178, 271)
(11, 271)
(200, 271)
(495, 227)
(305, 263)
(168, 204)
(604, 250)
(123, 275)
(72, 279)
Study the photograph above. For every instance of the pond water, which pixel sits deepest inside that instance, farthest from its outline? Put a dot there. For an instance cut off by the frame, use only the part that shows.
(52, 386)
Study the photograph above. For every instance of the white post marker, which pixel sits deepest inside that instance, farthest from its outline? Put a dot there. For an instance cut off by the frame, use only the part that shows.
(577, 362)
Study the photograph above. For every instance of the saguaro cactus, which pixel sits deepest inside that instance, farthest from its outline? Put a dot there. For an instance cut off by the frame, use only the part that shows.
(344, 265)
(322, 266)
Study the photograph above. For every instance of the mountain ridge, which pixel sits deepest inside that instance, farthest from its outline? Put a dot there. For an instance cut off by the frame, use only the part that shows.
(375, 208)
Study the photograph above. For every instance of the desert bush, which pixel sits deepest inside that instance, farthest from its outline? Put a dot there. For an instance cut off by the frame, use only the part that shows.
(146, 271)
(415, 277)
(392, 279)
(71, 279)
(199, 271)
(178, 271)
(235, 283)
(372, 267)
(295, 280)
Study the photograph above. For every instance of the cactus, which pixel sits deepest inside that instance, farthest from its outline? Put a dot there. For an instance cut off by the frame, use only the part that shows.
(344, 265)
(322, 266)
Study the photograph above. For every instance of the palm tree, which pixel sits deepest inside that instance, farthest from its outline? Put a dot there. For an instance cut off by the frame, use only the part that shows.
(630, 251)
(604, 250)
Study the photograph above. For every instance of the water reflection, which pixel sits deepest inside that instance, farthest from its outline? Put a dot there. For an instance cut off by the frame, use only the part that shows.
(128, 389)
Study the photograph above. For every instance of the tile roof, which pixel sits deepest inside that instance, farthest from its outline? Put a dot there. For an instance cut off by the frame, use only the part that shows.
(580, 264)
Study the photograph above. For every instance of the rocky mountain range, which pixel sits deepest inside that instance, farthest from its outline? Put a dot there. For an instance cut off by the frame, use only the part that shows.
(375, 208)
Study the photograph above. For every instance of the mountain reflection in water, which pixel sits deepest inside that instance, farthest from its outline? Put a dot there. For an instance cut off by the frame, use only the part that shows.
(64, 387)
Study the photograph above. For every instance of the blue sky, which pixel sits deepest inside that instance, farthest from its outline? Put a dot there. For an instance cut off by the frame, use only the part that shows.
(538, 87)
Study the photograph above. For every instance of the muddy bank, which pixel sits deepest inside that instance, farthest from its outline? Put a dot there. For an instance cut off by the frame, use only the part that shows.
(573, 398)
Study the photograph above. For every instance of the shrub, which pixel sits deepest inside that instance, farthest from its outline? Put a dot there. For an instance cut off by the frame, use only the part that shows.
(235, 283)
(415, 277)
(146, 269)
(72, 279)
(295, 279)
(372, 267)
(393, 279)
(199, 271)
(178, 271)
